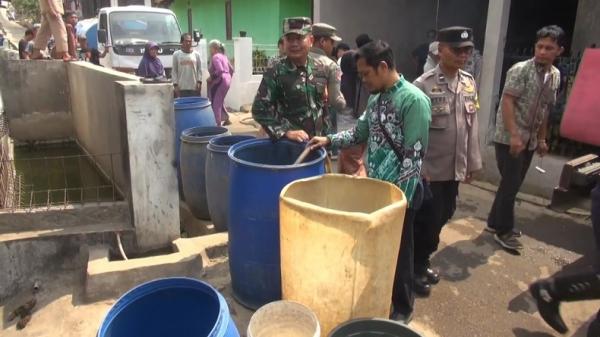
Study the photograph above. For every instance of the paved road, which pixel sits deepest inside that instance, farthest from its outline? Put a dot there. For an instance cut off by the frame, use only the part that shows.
(482, 292)
(484, 288)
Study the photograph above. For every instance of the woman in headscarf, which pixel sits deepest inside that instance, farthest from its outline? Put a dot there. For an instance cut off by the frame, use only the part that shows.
(220, 71)
(150, 65)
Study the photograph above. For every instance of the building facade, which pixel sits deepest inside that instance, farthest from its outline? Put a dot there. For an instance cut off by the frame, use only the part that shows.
(225, 19)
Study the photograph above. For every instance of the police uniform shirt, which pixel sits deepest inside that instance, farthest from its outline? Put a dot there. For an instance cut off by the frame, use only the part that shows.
(453, 150)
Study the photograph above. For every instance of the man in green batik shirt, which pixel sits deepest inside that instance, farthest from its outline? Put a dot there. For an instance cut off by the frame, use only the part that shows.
(289, 102)
(404, 112)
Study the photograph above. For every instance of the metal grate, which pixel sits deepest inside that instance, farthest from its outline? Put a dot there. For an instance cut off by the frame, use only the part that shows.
(52, 181)
(8, 179)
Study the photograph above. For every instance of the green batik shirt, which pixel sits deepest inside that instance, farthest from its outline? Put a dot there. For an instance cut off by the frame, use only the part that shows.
(292, 98)
(405, 112)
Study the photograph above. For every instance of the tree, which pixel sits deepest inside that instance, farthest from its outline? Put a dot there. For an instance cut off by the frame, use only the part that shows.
(27, 10)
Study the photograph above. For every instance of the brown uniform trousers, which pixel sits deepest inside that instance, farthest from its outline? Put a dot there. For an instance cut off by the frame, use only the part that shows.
(52, 25)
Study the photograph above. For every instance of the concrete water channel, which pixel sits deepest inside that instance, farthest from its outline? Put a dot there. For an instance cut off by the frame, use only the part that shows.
(59, 173)
(90, 155)
(88, 165)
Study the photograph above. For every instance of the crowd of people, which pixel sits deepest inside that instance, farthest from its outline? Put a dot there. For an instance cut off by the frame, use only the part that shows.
(60, 37)
(186, 74)
(422, 136)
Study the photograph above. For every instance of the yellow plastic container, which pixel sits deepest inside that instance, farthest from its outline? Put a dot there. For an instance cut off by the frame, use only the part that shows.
(340, 237)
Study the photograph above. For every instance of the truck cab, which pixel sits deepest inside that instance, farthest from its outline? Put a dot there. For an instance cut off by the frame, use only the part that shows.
(128, 29)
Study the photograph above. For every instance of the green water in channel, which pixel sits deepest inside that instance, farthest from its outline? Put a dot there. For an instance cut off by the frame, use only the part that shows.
(55, 174)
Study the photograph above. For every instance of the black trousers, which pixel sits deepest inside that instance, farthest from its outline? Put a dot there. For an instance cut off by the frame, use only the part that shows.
(512, 170)
(403, 298)
(431, 218)
(348, 89)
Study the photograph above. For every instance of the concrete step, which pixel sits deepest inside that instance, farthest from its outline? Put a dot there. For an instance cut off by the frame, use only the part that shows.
(108, 277)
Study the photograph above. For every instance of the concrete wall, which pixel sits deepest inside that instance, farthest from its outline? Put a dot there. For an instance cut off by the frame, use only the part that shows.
(32, 116)
(99, 117)
(151, 143)
(402, 23)
(244, 84)
(21, 261)
(111, 113)
(261, 19)
(587, 25)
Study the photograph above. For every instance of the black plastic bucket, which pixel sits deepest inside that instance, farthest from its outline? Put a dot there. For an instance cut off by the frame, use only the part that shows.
(373, 327)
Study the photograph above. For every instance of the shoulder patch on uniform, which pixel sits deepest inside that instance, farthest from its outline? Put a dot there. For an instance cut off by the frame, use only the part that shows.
(466, 73)
(428, 74)
(425, 76)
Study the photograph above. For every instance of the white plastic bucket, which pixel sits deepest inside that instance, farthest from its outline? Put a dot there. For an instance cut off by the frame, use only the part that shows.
(284, 318)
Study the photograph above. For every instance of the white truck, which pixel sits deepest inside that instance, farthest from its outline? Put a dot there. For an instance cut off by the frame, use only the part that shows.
(127, 29)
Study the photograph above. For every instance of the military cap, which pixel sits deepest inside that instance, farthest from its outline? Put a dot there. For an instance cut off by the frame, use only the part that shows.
(296, 25)
(323, 29)
(456, 36)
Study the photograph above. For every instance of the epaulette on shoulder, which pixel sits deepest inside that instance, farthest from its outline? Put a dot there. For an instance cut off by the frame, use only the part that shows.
(466, 73)
(427, 75)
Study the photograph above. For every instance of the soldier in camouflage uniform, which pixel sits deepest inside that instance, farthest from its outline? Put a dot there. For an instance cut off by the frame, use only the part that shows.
(293, 92)
(325, 37)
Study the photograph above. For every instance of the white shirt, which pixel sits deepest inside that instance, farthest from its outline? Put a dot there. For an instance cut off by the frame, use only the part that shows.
(187, 69)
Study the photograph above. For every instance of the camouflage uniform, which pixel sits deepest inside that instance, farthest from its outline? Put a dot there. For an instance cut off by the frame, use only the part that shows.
(292, 98)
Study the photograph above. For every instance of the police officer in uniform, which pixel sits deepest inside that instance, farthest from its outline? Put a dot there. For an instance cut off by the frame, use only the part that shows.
(453, 154)
(292, 95)
(324, 39)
